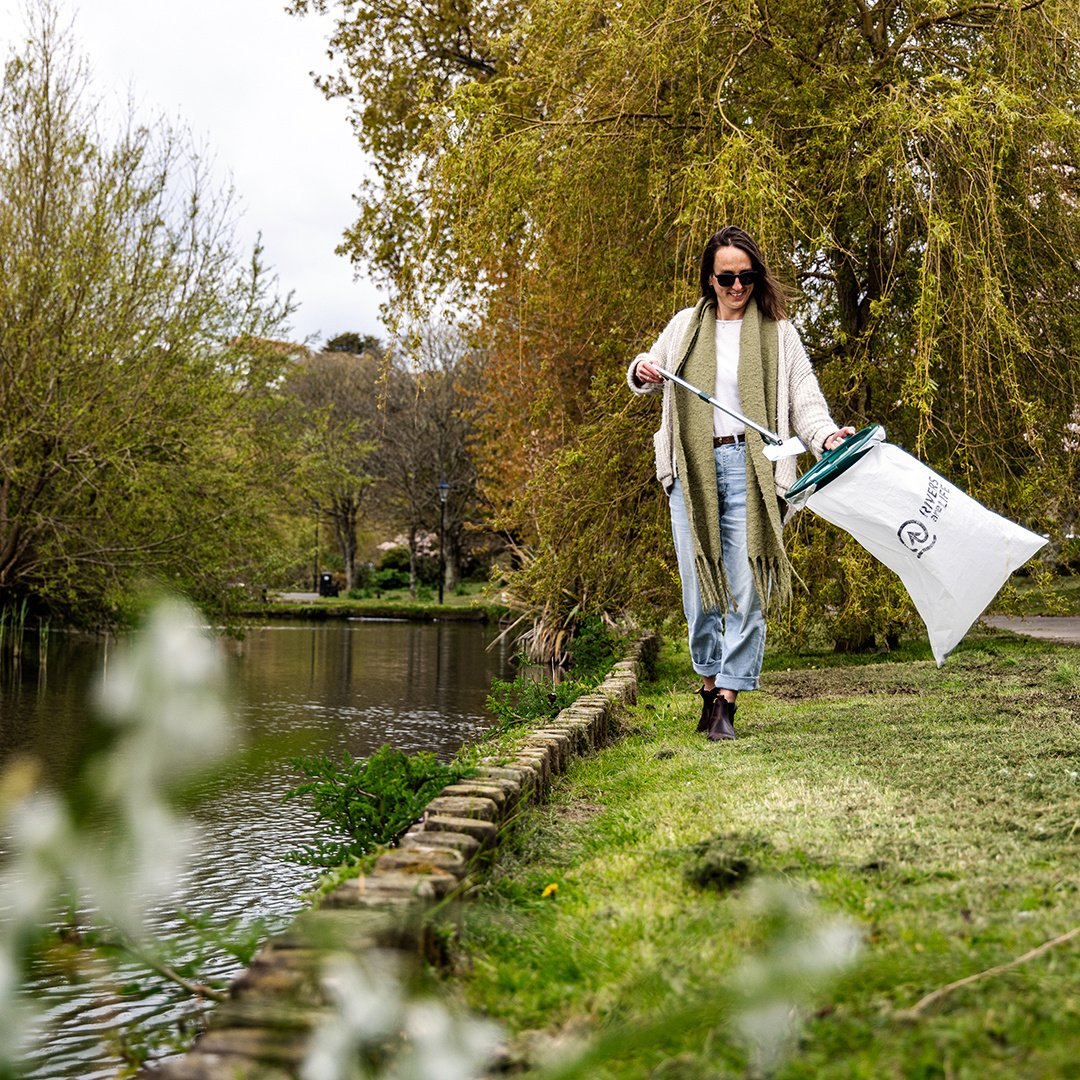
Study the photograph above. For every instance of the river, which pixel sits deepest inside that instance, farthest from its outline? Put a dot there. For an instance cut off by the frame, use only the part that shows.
(328, 687)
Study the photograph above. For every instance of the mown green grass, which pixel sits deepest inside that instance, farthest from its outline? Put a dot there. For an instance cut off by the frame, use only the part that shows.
(935, 811)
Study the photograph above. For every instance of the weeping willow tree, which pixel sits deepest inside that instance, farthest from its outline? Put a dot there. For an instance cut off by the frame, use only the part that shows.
(908, 165)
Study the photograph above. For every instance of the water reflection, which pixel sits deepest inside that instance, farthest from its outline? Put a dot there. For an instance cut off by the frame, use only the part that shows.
(326, 687)
(360, 684)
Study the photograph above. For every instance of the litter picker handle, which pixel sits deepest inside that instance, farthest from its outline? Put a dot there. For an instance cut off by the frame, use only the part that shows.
(775, 448)
(769, 436)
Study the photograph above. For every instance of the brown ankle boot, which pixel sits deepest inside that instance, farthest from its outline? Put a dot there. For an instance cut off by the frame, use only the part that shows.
(721, 720)
(707, 699)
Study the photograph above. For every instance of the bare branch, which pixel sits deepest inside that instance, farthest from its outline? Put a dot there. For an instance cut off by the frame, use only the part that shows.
(942, 991)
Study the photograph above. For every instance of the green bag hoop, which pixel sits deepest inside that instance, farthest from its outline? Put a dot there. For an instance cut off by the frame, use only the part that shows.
(834, 462)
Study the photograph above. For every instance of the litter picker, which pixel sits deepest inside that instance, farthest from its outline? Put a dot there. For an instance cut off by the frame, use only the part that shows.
(775, 448)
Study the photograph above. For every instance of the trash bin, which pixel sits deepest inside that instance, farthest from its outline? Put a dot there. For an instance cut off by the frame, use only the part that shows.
(327, 586)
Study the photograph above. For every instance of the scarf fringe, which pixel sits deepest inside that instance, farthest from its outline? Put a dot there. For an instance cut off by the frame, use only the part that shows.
(712, 584)
(772, 579)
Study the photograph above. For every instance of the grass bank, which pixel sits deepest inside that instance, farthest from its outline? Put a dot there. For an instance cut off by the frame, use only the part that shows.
(781, 905)
(475, 603)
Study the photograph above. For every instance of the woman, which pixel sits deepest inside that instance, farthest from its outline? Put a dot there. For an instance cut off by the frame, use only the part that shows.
(723, 492)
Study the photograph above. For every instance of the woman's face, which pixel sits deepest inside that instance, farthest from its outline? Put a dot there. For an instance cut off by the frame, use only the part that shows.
(731, 300)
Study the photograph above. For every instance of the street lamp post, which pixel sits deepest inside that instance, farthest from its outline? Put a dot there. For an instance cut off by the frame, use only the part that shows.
(317, 508)
(444, 489)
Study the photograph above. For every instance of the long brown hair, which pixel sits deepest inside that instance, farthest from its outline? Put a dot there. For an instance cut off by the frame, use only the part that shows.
(768, 292)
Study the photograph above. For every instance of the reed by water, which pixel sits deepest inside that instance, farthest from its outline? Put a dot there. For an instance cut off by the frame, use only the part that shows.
(13, 627)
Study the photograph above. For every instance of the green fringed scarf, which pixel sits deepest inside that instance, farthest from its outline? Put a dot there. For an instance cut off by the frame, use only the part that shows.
(758, 364)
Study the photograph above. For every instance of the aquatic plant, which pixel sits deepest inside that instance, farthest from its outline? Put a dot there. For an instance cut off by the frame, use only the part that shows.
(530, 697)
(13, 629)
(368, 802)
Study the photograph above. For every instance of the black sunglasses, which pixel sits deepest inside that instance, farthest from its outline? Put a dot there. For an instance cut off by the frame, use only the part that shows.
(746, 277)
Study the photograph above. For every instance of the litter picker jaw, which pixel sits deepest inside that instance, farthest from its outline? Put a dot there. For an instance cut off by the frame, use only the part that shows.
(774, 449)
(784, 449)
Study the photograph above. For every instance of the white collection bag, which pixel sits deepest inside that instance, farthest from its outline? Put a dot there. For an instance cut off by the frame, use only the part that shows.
(951, 553)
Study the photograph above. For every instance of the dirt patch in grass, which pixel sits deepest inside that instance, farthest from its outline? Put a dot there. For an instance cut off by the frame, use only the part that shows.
(576, 811)
(840, 683)
(802, 685)
(1026, 677)
(725, 861)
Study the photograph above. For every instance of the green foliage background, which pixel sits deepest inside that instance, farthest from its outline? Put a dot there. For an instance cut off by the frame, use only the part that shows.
(137, 408)
(908, 165)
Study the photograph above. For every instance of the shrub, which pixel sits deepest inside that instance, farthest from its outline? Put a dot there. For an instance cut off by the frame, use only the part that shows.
(368, 802)
(526, 699)
(388, 580)
(593, 649)
(395, 558)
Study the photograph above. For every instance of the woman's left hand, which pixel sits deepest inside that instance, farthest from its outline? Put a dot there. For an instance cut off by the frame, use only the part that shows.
(837, 437)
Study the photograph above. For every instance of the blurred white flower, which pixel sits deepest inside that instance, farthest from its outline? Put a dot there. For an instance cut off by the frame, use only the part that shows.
(117, 845)
(16, 1019)
(803, 951)
(42, 846)
(444, 1046)
(417, 1038)
(367, 1005)
(769, 1030)
(166, 689)
(168, 685)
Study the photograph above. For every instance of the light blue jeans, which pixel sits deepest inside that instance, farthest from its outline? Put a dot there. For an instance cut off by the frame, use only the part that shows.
(731, 644)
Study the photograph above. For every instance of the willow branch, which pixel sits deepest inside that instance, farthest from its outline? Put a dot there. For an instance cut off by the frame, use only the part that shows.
(599, 121)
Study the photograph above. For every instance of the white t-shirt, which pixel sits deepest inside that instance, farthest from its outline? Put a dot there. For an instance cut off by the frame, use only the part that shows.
(727, 377)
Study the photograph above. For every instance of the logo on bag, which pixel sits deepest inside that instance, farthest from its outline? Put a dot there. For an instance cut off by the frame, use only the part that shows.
(914, 534)
(916, 537)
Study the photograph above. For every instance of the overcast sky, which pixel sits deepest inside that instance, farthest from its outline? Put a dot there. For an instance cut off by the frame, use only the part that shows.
(236, 73)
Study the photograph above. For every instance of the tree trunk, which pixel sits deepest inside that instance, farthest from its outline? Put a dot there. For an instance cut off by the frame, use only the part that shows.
(412, 562)
(452, 569)
(345, 512)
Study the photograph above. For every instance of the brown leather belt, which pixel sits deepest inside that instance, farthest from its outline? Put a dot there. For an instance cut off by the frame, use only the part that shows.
(727, 440)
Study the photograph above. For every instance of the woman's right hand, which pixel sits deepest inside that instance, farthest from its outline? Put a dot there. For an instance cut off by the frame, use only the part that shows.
(645, 372)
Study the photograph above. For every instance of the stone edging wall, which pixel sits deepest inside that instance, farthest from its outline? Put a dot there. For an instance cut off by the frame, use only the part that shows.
(262, 1029)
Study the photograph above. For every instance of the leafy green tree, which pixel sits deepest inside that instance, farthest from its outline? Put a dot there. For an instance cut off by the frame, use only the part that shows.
(374, 434)
(136, 399)
(337, 398)
(909, 166)
(395, 60)
(352, 342)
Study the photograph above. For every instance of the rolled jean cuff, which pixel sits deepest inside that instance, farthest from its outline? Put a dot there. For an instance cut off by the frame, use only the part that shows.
(730, 682)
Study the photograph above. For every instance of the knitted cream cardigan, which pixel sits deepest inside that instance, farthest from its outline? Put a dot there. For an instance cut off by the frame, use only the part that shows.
(800, 404)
